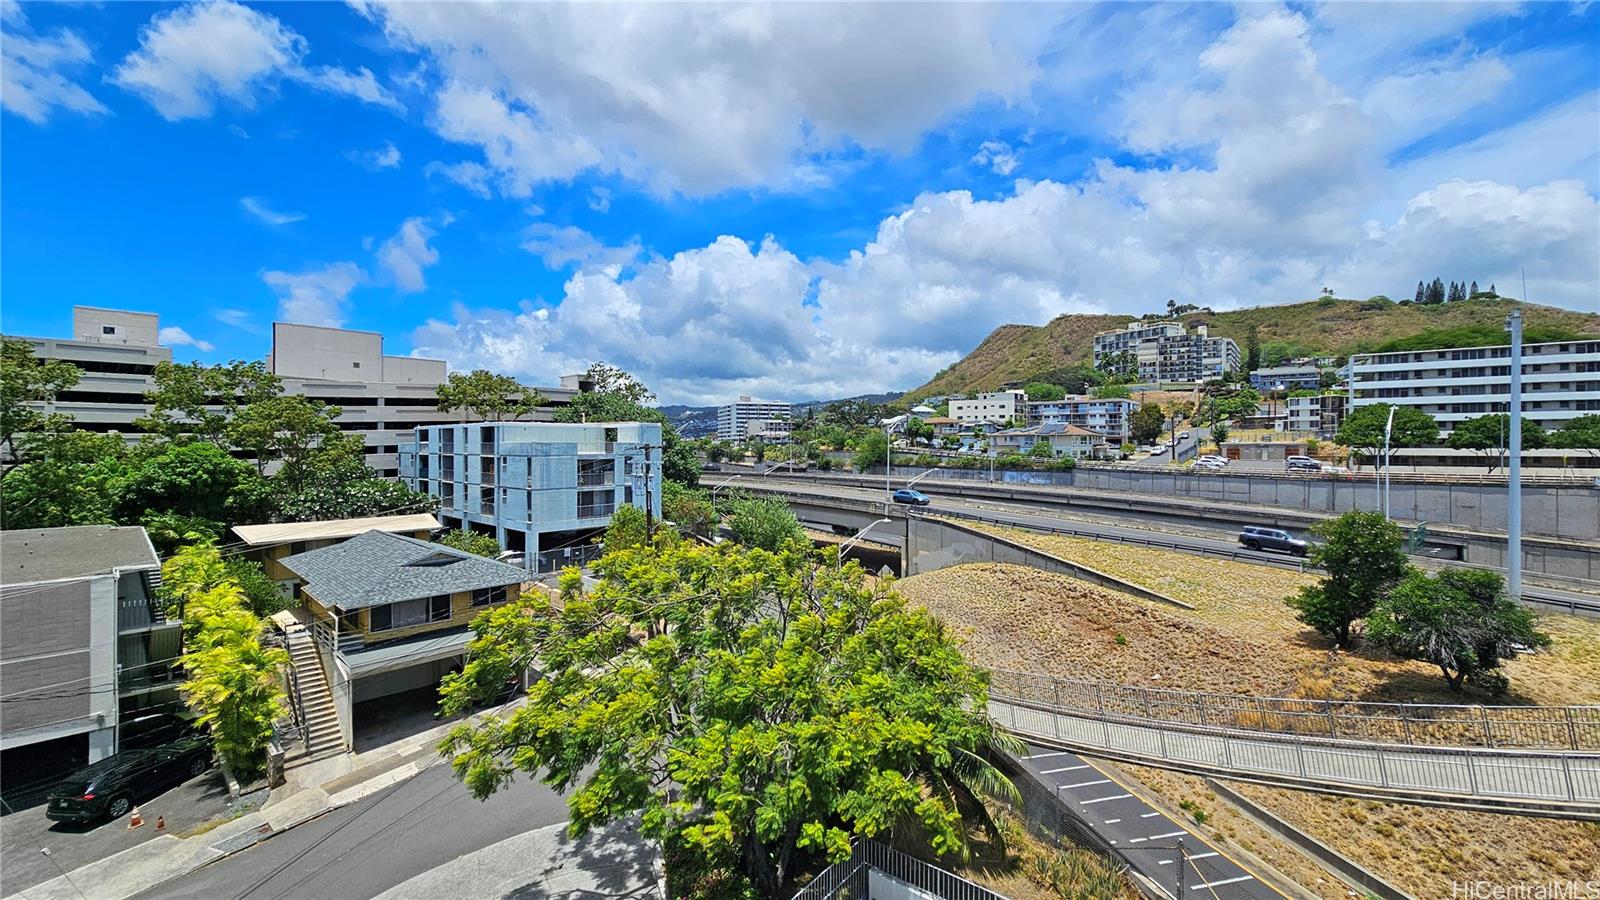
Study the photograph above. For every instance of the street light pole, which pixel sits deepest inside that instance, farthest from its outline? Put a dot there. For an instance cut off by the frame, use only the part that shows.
(1388, 427)
(1514, 464)
(856, 539)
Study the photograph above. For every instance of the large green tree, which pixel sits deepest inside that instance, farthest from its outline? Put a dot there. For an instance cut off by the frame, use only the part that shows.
(73, 478)
(619, 397)
(26, 383)
(1488, 436)
(193, 480)
(688, 508)
(1146, 423)
(471, 542)
(286, 430)
(1459, 620)
(1362, 429)
(335, 483)
(199, 401)
(764, 522)
(1040, 390)
(753, 708)
(488, 397)
(1581, 433)
(1361, 554)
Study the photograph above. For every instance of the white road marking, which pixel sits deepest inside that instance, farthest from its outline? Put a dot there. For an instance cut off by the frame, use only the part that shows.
(1148, 815)
(1043, 755)
(1168, 862)
(1103, 799)
(1068, 787)
(1066, 769)
(1112, 821)
(1157, 837)
(1211, 884)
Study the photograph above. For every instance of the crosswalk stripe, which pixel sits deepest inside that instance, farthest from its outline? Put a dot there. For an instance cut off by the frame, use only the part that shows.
(1212, 884)
(1043, 755)
(1066, 769)
(1103, 799)
(1068, 787)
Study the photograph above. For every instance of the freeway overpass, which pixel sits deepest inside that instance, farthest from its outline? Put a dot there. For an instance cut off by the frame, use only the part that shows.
(844, 505)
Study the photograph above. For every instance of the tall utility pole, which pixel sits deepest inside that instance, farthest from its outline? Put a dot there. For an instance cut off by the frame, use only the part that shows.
(1514, 464)
(649, 514)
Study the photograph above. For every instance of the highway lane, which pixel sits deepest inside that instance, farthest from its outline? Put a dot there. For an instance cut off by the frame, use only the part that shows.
(1047, 518)
(1148, 838)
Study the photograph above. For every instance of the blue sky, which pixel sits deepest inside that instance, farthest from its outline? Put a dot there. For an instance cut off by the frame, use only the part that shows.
(790, 201)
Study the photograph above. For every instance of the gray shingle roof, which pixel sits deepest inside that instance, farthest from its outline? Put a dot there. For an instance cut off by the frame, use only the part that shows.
(376, 567)
(48, 554)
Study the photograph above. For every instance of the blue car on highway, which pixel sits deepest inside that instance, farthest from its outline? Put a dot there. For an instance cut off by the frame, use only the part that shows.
(915, 498)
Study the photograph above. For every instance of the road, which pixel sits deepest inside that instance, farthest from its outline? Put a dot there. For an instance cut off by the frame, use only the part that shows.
(1147, 837)
(1191, 540)
(369, 847)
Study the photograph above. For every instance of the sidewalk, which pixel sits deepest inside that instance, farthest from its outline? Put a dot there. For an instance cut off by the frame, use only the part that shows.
(311, 790)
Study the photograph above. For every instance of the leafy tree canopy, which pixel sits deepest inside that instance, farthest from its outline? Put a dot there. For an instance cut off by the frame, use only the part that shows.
(488, 397)
(73, 480)
(198, 480)
(1581, 433)
(1039, 390)
(1489, 433)
(1361, 553)
(751, 707)
(26, 380)
(763, 522)
(471, 542)
(197, 400)
(1112, 392)
(1146, 423)
(619, 397)
(287, 429)
(872, 449)
(1477, 336)
(1459, 620)
(1363, 428)
(627, 529)
(688, 508)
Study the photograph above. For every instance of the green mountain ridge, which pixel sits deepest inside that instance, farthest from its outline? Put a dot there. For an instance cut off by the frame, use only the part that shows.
(1322, 327)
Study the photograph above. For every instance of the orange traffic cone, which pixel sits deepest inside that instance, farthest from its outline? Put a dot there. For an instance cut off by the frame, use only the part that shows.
(161, 823)
(135, 820)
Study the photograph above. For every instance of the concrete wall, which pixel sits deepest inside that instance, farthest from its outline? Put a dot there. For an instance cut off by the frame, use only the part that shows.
(1568, 512)
(58, 646)
(89, 323)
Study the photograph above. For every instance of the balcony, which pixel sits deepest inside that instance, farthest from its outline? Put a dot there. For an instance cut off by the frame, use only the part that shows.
(595, 479)
(596, 510)
(136, 613)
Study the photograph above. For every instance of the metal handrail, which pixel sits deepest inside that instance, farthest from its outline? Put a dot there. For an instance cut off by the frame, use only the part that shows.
(1409, 724)
(849, 878)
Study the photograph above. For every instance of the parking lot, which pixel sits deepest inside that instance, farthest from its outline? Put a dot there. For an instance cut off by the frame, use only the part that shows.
(25, 833)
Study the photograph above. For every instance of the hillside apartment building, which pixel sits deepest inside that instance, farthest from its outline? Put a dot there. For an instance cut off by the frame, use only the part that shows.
(85, 645)
(383, 397)
(1108, 418)
(544, 490)
(748, 417)
(1167, 352)
(995, 406)
(1560, 381)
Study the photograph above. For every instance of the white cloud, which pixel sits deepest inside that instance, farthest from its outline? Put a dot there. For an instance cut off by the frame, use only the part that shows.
(315, 296)
(256, 207)
(475, 177)
(173, 336)
(764, 85)
(996, 155)
(385, 157)
(32, 66)
(407, 254)
(560, 246)
(191, 58)
(600, 199)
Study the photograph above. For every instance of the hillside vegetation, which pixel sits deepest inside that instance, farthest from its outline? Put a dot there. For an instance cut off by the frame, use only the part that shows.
(1327, 326)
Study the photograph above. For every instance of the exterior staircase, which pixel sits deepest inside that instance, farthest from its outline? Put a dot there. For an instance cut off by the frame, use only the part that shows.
(322, 736)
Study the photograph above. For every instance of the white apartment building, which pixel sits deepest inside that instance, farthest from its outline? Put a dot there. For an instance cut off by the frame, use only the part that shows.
(734, 420)
(1560, 381)
(1319, 414)
(1167, 351)
(382, 397)
(1109, 417)
(542, 489)
(995, 406)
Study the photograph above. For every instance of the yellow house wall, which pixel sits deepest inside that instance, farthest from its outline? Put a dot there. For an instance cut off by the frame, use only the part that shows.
(462, 612)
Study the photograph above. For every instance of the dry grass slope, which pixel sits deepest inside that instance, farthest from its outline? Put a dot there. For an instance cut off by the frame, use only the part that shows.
(1014, 352)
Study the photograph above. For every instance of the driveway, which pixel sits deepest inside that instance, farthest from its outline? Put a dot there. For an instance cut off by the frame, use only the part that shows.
(23, 834)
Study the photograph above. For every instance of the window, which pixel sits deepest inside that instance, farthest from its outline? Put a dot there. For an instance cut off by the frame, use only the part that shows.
(409, 612)
(356, 365)
(487, 596)
(108, 329)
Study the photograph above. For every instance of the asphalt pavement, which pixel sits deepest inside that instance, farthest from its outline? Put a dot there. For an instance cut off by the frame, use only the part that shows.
(364, 849)
(1147, 837)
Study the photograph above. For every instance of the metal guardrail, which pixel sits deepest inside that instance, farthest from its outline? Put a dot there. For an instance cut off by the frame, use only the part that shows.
(1535, 782)
(850, 880)
(1404, 724)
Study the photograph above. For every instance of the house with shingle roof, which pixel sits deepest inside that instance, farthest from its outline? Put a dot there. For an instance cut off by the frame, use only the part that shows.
(390, 613)
(1063, 440)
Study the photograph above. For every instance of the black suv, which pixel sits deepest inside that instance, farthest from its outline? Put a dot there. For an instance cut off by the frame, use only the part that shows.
(110, 787)
(1254, 538)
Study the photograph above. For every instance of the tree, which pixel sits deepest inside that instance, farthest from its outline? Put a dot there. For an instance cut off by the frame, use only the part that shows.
(1487, 435)
(263, 595)
(25, 382)
(337, 484)
(286, 429)
(872, 449)
(1041, 450)
(1422, 293)
(1581, 433)
(1112, 392)
(1219, 433)
(1361, 553)
(1235, 404)
(170, 531)
(626, 529)
(612, 380)
(752, 708)
(196, 400)
(1436, 293)
(1474, 291)
(1123, 364)
(72, 480)
(1252, 342)
(472, 542)
(1038, 390)
(918, 430)
(764, 523)
(1363, 428)
(688, 508)
(488, 397)
(196, 480)
(233, 682)
(1146, 423)
(1459, 620)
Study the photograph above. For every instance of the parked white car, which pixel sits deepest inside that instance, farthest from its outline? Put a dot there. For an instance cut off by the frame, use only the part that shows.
(1204, 463)
(1212, 458)
(1334, 470)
